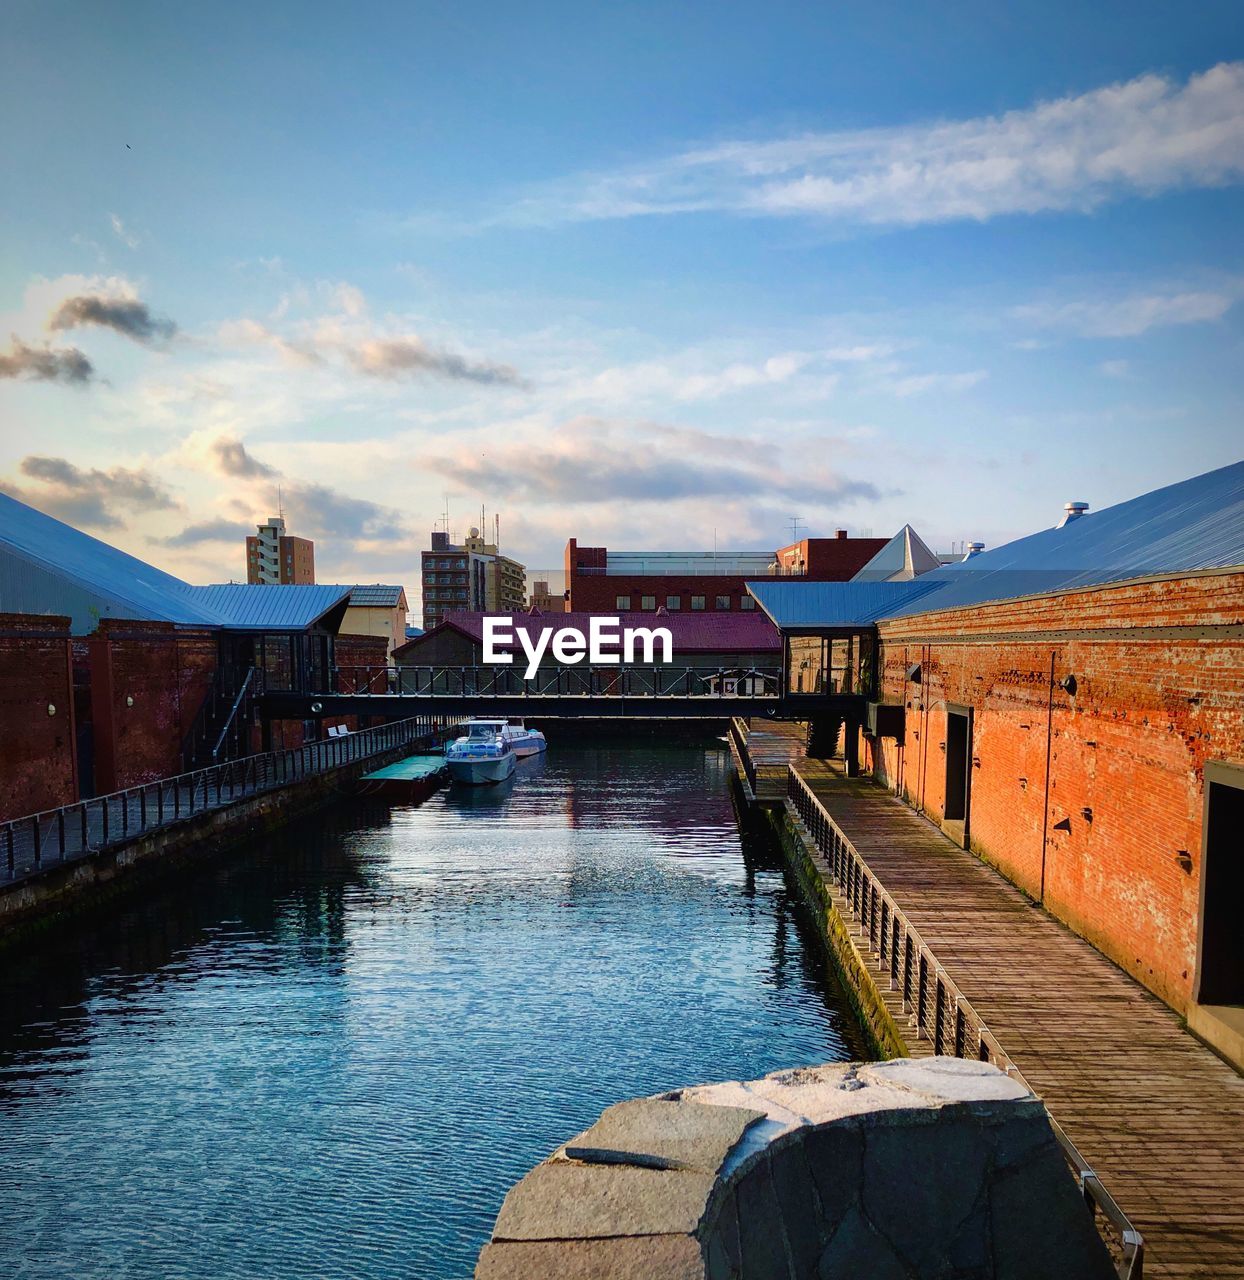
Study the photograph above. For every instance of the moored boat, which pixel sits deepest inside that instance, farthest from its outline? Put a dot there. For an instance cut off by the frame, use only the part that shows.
(526, 742)
(485, 755)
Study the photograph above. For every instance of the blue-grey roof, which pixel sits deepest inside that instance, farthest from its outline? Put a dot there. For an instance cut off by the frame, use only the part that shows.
(794, 604)
(1193, 525)
(49, 567)
(245, 607)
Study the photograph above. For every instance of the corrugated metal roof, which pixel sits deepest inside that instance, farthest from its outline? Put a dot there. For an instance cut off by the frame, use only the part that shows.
(796, 605)
(1195, 524)
(108, 581)
(285, 608)
(51, 567)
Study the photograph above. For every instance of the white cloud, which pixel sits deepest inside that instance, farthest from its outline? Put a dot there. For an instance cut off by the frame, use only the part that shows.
(1115, 368)
(1127, 316)
(122, 233)
(1141, 137)
(918, 383)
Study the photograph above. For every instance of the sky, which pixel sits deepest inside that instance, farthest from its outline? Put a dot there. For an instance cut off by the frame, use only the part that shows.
(651, 276)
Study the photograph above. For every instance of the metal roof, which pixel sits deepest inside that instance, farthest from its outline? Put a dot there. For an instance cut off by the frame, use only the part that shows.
(796, 605)
(1193, 525)
(375, 595)
(47, 566)
(904, 557)
(245, 607)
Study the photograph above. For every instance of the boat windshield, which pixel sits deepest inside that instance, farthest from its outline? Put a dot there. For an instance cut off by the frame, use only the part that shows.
(481, 730)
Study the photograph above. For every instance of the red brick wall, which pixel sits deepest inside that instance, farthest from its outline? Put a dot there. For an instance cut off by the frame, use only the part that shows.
(167, 673)
(1160, 690)
(37, 750)
(355, 658)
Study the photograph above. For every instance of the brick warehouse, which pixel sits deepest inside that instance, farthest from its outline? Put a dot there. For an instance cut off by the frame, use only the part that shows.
(599, 581)
(1091, 801)
(1071, 708)
(113, 673)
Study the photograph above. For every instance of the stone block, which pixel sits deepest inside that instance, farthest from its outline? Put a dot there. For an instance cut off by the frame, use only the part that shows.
(922, 1182)
(1040, 1225)
(681, 1134)
(568, 1201)
(629, 1258)
(761, 1236)
(856, 1251)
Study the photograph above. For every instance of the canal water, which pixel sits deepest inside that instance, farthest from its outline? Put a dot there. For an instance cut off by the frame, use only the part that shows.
(332, 1057)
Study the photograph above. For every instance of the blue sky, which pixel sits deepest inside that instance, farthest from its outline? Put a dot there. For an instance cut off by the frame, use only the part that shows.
(640, 276)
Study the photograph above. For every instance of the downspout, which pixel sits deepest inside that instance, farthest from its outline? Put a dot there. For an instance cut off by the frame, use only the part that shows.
(1049, 745)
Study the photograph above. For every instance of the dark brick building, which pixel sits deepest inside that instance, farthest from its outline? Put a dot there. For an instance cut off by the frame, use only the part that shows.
(600, 581)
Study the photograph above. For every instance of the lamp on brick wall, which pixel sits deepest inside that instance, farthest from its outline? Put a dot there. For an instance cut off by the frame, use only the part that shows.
(913, 673)
(51, 708)
(1068, 682)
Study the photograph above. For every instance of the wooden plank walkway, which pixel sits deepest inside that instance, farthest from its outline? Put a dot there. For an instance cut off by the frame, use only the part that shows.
(1158, 1115)
(772, 746)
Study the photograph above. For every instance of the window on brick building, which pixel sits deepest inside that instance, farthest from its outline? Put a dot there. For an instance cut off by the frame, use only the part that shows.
(723, 602)
(747, 602)
(697, 602)
(647, 602)
(673, 602)
(622, 602)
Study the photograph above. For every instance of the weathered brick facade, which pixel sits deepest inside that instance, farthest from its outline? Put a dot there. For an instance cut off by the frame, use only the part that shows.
(148, 681)
(1108, 836)
(37, 748)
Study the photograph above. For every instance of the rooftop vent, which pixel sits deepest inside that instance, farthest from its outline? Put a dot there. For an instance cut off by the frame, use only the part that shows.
(1072, 511)
(974, 549)
(840, 533)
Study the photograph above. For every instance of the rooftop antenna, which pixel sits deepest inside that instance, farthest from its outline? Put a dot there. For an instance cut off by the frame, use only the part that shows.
(280, 510)
(795, 522)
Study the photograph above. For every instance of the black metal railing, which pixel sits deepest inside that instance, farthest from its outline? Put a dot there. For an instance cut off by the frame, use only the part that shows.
(38, 842)
(237, 722)
(665, 681)
(938, 1010)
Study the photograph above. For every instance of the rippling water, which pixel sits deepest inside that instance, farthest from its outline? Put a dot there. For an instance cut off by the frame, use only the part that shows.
(333, 1057)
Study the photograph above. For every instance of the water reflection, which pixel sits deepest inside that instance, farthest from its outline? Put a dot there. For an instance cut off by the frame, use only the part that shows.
(334, 1056)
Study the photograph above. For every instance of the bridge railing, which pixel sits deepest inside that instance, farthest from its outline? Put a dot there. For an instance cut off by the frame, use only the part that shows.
(939, 1011)
(667, 681)
(33, 844)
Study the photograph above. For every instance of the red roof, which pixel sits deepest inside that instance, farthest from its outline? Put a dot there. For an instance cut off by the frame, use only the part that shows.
(692, 632)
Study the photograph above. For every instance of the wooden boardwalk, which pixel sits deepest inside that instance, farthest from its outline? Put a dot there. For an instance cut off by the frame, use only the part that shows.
(772, 746)
(1159, 1116)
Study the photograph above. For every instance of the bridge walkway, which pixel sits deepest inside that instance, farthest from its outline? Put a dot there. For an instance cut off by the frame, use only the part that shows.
(1158, 1115)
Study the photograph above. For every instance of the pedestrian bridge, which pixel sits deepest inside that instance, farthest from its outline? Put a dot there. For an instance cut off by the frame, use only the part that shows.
(647, 692)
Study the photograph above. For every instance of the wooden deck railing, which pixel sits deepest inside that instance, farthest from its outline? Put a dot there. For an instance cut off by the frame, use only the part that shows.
(939, 1011)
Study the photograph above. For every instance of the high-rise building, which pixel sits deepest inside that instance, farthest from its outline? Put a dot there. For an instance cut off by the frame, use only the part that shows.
(471, 575)
(544, 600)
(275, 558)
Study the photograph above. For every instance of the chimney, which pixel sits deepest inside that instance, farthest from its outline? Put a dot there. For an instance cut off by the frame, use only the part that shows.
(974, 549)
(840, 533)
(1072, 511)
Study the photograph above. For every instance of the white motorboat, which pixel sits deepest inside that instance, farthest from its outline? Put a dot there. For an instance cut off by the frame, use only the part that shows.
(485, 755)
(526, 742)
